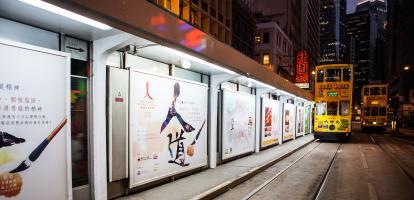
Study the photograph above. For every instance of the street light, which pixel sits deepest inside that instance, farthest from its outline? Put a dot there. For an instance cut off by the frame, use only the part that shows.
(407, 67)
(313, 72)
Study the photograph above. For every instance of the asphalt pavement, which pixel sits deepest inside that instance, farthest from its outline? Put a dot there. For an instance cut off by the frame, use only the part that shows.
(371, 165)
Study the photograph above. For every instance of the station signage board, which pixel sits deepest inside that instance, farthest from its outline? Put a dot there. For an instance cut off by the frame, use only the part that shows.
(238, 124)
(168, 127)
(270, 122)
(35, 158)
(288, 121)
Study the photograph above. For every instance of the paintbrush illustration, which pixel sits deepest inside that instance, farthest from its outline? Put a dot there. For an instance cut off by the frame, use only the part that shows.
(39, 149)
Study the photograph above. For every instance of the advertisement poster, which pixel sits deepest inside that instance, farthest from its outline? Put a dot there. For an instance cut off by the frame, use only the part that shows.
(238, 126)
(300, 121)
(270, 122)
(168, 127)
(34, 131)
(288, 121)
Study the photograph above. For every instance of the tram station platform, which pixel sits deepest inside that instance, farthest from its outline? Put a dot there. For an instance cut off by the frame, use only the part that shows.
(211, 182)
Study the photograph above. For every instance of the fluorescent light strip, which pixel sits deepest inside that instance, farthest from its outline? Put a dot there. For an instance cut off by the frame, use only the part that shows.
(60, 11)
(198, 60)
(262, 84)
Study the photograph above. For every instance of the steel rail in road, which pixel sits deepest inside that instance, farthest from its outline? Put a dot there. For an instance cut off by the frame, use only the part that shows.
(256, 190)
(394, 159)
(325, 178)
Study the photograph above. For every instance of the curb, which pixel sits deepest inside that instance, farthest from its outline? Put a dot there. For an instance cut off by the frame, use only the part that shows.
(225, 186)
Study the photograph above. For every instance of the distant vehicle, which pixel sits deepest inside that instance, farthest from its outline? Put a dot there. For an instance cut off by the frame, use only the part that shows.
(374, 106)
(333, 97)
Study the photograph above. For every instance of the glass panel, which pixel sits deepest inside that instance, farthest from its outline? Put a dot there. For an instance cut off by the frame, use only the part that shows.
(332, 108)
(374, 111)
(367, 111)
(346, 74)
(187, 74)
(375, 91)
(320, 108)
(333, 75)
(320, 75)
(79, 134)
(344, 108)
(78, 67)
(382, 111)
(366, 91)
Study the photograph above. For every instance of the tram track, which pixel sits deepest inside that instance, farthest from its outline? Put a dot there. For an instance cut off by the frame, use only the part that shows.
(398, 163)
(287, 168)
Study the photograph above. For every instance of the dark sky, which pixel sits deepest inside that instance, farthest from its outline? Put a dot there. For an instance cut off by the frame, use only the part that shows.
(350, 7)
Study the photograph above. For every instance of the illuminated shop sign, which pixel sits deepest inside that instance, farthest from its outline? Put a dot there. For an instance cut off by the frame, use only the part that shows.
(302, 69)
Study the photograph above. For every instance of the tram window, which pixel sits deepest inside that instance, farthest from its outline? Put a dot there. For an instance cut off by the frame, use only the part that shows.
(332, 108)
(333, 75)
(375, 91)
(382, 111)
(367, 111)
(374, 111)
(320, 75)
(383, 91)
(346, 74)
(344, 107)
(320, 108)
(366, 91)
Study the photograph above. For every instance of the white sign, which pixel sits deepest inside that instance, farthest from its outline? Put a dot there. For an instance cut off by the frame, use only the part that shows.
(288, 121)
(302, 85)
(34, 125)
(238, 126)
(168, 127)
(270, 122)
(300, 121)
(78, 49)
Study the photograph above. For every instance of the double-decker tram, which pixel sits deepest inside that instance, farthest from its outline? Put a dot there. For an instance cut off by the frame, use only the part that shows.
(374, 106)
(333, 98)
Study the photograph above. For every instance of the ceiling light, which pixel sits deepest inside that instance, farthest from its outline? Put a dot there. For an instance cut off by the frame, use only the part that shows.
(186, 64)
(60, 11)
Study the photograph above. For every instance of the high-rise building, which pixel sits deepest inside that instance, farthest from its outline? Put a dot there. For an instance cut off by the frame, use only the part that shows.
(299, 19)
(365, 37)
(332, 31)
(400, 58)
(218, 18)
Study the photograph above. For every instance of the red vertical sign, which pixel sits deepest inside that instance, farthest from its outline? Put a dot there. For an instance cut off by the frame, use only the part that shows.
(302, 67)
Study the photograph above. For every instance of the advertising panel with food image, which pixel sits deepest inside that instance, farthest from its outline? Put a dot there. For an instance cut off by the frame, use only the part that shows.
(270, 122)
(238, 124)
(288, 121)
(168, 127)
(34, 132)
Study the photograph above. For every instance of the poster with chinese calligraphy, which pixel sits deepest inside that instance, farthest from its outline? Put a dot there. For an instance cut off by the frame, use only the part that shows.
(288, 123)
(300, 121)
(270, 122)
(302, 69)
(238, 124)
(168, 127)
(34, 132)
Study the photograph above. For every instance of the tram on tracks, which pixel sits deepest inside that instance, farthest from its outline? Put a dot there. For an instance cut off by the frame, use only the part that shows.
(333, 98)
(374, 107)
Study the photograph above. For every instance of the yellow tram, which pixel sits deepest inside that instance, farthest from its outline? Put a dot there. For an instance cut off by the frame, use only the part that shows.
(333, 98)
(374, 106)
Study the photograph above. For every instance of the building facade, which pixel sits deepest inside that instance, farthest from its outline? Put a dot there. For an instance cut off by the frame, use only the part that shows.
(400, 59)
(229, 21)
(274, 49)
(332, 31)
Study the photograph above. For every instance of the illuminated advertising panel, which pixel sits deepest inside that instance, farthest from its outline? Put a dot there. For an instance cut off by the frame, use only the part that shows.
(300, 121)
(35, 154)
(302, 69)
(307, 119)
(238, 124)
(168, 127)
(270, 122)
(288, 121)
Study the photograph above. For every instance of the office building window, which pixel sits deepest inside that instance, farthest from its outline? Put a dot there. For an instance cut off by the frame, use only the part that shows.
(257, 39)
(266, 59)
(266, 37)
